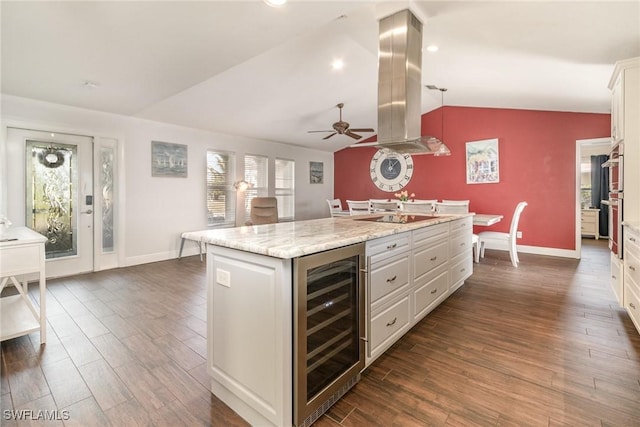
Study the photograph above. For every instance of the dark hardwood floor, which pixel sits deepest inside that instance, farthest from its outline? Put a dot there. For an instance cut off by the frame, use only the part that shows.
(541, 345)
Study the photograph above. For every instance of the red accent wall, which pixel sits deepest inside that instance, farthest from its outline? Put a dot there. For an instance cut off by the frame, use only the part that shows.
(537, 151)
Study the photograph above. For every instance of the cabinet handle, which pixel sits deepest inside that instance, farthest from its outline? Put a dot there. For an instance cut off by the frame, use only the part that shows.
(393, 322)
(632, 306)
(633, 239)
(392, 279)
(614, 277)
(434, 291)
(434, 258)
(632, 268)
(462, 270)
(462, 244)
(392, 246)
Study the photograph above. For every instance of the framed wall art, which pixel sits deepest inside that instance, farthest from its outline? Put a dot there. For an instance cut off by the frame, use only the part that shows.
(168, 160)
(316, 172)
(483, 166)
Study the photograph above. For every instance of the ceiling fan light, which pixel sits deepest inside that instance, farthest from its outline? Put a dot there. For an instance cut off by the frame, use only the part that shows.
(337, 64)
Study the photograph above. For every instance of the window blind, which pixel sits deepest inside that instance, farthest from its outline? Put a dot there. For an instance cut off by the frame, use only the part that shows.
(221, 196)
(285, 191)
(256, 173)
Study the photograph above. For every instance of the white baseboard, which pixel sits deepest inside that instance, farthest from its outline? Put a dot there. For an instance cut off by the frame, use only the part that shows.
(539, 250)
(161, 256)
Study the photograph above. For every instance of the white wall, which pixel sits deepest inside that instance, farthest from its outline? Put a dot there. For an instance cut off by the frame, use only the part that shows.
(154, 211)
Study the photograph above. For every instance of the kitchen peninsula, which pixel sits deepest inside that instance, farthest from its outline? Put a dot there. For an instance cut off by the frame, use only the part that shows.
(311, 300)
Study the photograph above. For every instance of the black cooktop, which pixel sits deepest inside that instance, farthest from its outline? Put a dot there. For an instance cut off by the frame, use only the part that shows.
(397, 219)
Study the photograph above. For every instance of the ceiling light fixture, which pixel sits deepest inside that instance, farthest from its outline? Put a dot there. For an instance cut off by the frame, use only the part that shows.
(443, 150)
(275, 3)
(432, 48)
(337, 64)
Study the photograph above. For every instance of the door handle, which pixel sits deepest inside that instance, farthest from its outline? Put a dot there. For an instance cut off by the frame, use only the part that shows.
(88, 212)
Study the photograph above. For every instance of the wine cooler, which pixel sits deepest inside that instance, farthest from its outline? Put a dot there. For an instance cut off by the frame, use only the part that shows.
(328, 329)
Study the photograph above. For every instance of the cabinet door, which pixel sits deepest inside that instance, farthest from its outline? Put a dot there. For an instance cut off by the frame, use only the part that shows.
(617, 110)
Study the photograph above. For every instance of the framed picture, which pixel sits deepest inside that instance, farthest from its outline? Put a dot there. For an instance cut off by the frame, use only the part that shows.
(168, 159)
(483, 166)
(316, 172)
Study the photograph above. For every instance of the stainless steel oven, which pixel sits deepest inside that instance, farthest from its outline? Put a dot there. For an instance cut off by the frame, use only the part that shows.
(329, 326)
(616, 197)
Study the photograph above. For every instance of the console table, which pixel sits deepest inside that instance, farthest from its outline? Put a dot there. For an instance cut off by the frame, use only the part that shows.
(22, 255)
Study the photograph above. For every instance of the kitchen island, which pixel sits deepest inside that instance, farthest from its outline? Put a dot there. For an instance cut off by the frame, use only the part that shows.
(252, 303)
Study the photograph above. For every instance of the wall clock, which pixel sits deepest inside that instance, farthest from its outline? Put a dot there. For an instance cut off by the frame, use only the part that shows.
(391, 171)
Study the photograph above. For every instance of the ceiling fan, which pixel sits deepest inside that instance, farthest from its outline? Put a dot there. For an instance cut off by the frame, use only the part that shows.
(342, 128)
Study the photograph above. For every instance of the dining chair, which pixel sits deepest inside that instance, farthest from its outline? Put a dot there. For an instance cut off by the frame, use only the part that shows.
(335, 206)
(383, 205)
(264, 210)
(504, 241)
(418, 206)
(359, 207)
(460, 207)
(452, 206)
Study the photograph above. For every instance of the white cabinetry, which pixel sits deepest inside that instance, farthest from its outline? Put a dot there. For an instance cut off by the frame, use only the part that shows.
(21, 255)
(625, 127)
(590, 223)
(632, 275)
(617, 281)
(409, 275)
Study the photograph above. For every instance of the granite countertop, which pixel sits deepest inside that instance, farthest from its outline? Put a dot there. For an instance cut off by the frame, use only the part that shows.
(633, 225)
(298, 238)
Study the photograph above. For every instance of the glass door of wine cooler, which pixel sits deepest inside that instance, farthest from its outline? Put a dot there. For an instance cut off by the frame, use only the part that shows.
(328, 326)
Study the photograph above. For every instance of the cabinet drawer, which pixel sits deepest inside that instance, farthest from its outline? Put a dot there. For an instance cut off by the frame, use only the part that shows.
(632, 305)
(429, 257)
(462, 224)
(20, 259)
(631, 242)
(459, 244)
(379, 249)
(431, 234)
(389, 323)
(388, 277)
(632, 267)
(616, 278)
(461, 268)
(426, 294)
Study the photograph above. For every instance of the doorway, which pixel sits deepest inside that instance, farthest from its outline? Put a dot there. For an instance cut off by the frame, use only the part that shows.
(585, 148)
(50, 190)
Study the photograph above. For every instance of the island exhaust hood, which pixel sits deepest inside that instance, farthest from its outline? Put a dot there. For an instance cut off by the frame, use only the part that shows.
(400, 88)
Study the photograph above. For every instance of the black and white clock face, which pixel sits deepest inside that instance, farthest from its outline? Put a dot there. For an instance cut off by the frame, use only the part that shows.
(391, 171)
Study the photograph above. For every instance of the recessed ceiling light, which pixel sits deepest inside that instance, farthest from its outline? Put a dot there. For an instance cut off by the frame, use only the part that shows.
(275, 3)
(337, 64)
(432, 48)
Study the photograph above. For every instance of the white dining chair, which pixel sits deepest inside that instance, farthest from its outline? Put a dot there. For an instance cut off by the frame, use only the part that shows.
(418, 206)
(452, 207)
(460, 207)
(335, 207)
(383, 205)
(504, 241)
(359, 207)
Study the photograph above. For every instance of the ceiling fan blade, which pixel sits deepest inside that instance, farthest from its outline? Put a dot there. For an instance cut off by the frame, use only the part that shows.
(329, 136)
(362, 130)
(352, 135)
(314, 131)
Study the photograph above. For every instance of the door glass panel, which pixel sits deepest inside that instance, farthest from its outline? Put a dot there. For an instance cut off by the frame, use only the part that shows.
(51, 182)
(107, 156)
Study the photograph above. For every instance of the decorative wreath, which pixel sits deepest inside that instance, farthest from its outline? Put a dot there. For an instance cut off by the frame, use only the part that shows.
(51, 158)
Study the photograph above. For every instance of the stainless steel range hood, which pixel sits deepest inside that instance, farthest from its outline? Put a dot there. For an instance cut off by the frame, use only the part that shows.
(400, 88)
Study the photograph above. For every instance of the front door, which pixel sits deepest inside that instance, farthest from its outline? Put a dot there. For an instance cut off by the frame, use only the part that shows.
(57, 195)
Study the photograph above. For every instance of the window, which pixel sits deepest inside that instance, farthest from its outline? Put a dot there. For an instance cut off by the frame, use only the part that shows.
(221, 196)
(285, 179)
(256, 173)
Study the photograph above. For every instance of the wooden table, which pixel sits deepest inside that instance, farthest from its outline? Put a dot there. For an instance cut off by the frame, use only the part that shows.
(486, 219)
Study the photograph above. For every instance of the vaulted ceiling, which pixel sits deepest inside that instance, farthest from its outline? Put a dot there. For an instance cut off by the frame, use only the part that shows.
(245, 68)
